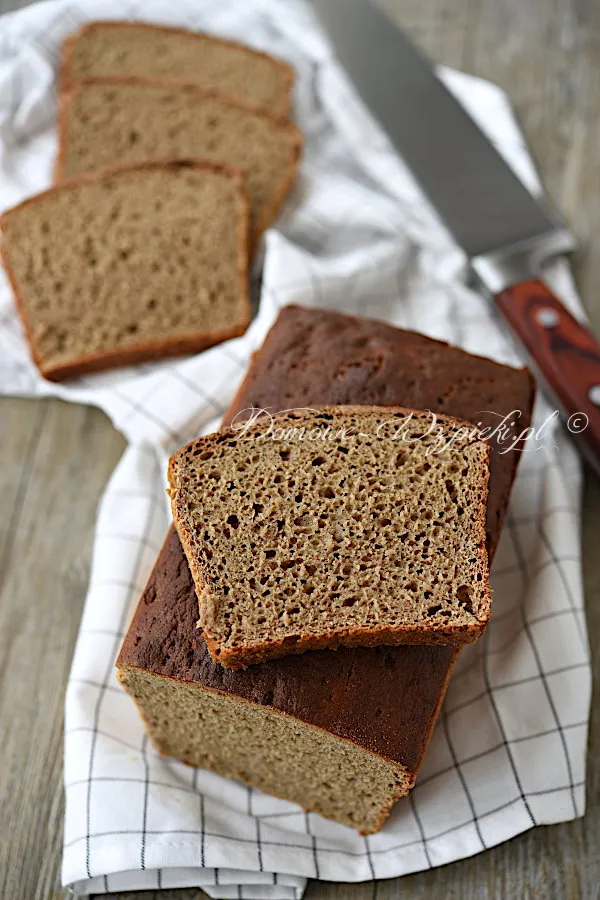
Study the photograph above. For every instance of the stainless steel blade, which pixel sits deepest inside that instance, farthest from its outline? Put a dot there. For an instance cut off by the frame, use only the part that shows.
(477, 195)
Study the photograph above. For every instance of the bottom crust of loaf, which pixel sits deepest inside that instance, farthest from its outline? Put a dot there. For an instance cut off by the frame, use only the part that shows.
(254, 654)
(268, 749)
(139, 353)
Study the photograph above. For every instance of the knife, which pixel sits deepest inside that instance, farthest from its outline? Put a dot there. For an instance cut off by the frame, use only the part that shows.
(506, 233)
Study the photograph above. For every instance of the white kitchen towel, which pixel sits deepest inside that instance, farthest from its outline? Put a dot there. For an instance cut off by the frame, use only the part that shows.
(356, 235)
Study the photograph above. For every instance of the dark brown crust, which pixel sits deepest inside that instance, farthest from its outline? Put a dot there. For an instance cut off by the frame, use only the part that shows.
(270, 210)
(67, 80)
(148, 352)
(255, 652)
(401, 635)
(389, 708)
(151, 350)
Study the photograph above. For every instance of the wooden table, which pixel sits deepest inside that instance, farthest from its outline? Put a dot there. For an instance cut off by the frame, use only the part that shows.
(56, 458)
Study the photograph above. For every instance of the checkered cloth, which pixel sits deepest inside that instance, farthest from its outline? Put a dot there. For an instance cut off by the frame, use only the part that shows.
(509, 750)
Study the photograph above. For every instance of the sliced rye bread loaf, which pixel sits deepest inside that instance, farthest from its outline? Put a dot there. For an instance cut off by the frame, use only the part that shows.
(343, 526)
(366, 714)
(124, 49)
(136, 121)
(129, 265)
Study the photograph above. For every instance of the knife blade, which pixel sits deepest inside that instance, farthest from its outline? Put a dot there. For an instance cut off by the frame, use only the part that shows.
(506, 233)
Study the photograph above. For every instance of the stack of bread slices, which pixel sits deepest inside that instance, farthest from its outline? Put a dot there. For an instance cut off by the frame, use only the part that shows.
(175, 154)
(302, 620)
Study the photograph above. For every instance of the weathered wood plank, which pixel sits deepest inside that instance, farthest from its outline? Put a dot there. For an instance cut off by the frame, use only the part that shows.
(59, 457)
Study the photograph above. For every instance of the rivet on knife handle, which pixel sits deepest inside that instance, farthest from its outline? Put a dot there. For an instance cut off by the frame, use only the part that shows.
(566, 354)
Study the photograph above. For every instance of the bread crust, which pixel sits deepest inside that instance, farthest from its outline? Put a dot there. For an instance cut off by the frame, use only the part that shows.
(67, 79)
(255, 652)
(150, 350)
(270, 209)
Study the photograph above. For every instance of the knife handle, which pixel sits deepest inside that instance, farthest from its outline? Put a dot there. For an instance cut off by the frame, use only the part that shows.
(566, 355)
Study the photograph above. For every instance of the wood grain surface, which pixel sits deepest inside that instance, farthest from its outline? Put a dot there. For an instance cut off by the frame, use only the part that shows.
(56, 458)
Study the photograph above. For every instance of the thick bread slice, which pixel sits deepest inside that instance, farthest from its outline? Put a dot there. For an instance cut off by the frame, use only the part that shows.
(129, 265)
(136, 121)
(125, 49)
(344, 526)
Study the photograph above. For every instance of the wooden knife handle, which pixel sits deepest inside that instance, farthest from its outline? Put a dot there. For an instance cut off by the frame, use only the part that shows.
(566, 355)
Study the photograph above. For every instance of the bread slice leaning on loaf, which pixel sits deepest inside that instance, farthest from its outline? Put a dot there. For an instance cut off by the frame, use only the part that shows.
(342, 733)
(130, 265)
(342, 526)
(136, 121)
(119, 49)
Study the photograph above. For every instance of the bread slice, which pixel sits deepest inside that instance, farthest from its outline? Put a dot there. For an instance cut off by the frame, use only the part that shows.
(124, 49)
(137, 121)
(344, 526)
(130, 265)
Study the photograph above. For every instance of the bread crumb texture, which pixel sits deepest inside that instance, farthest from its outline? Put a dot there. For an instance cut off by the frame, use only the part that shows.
(268, 750)
(296, 543)
(146, 255)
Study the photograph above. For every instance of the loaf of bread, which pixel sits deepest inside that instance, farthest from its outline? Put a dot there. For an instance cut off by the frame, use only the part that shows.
(342, 733)
(130, 265)
(122, 49)
(350, 526)
(138, 121)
